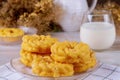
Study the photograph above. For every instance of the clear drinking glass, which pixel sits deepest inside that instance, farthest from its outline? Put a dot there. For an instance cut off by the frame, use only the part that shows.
(98, 30)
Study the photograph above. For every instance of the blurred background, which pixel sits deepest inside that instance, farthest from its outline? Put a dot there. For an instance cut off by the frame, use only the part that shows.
(14, 13)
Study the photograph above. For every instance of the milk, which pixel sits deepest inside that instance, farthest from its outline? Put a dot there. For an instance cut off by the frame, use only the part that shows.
(98, 35)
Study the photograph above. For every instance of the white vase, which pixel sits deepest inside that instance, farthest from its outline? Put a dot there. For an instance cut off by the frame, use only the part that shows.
(74, 11)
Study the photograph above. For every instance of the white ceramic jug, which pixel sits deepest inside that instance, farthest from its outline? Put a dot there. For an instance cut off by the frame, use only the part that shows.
(73, 11)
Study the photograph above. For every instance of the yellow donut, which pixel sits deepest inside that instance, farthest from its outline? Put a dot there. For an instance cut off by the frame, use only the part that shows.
(39, 44)
(11, 32)
(70, 52)
(47, 67)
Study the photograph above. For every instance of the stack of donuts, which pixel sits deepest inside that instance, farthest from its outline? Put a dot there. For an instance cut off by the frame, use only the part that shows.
(35, 46)
(48, 57)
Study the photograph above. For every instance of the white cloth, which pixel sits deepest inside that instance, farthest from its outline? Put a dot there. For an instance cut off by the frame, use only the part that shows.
(103, 72)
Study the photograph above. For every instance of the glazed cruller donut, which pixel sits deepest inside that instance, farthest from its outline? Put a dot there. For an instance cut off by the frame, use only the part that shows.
(50, 68)
(78, 54)
(70, 52)
(36, 43)
(11, 36)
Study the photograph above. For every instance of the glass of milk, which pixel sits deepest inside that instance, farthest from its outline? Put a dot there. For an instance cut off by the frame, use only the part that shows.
(98, 30)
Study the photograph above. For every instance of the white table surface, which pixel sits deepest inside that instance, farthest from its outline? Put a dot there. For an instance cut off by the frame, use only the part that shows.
(111, 56)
